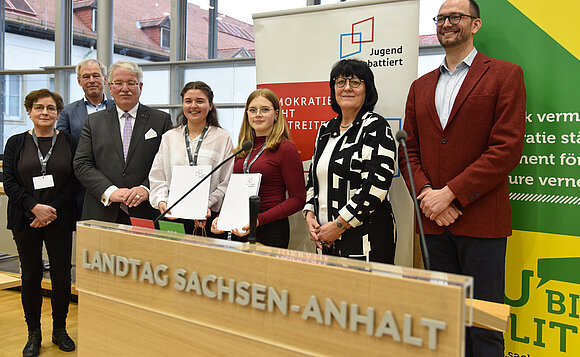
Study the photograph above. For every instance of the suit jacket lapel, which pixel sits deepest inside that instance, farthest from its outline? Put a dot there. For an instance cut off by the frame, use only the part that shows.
(138, 130)
(115, 131)
(432, 80)
(476, 71)
(81, 113)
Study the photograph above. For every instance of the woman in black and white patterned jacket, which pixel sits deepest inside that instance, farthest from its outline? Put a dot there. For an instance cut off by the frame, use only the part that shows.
(347, 209)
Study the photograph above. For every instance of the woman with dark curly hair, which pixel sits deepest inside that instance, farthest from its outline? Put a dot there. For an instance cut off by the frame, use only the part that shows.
(41, 188)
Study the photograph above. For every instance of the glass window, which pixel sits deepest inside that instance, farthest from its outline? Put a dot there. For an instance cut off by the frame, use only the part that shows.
(13, 97)
(230, 83)
(234, 34)
(137, 30)
(29, 38)
(15, 117)
(244, 81)
(230, 119)
(75, 90)
(155, 85)
(94, 21)
(165, 37)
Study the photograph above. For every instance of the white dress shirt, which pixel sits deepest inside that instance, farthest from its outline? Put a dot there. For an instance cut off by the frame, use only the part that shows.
(216, 147)
(449, 84)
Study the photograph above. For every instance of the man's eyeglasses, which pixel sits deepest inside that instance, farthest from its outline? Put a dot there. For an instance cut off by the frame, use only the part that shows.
(120, 84)
(454, 18)
(40, 108)
(341, 82)
(263, 111)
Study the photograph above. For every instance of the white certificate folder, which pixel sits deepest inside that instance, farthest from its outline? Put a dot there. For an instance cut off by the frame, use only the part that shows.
(194, 205)
(235, 212)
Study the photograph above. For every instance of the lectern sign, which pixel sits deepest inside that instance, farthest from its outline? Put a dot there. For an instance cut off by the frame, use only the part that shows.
(255, 300)
(268, 298)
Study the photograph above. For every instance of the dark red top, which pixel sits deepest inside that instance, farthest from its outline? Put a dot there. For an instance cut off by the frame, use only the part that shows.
(281, 171)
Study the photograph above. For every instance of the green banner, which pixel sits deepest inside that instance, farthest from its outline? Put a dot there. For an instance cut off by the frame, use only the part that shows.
(542, 262)
(545, 187)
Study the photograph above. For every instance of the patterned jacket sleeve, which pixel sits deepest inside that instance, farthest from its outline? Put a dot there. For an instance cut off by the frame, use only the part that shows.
(309, 206)
(378, 165)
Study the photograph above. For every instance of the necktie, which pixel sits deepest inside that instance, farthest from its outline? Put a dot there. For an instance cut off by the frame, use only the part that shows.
(127, 130)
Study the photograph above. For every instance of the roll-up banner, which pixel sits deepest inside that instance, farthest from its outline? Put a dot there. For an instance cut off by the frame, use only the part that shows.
(543, 256)
(295, 51)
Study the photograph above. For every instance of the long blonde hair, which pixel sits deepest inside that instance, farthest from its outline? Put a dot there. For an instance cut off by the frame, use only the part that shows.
(279, 130)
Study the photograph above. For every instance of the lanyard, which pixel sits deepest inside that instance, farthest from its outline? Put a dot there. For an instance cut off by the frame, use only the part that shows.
(44, 160)
(193, 160)
(246, 166)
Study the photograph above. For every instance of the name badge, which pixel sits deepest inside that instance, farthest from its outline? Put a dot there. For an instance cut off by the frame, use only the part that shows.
(41, 182)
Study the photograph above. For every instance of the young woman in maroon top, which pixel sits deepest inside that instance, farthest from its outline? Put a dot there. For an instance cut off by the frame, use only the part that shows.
(277, 159)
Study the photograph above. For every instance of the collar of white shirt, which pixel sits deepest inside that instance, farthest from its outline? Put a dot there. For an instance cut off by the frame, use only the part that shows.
(468, 60)
(132, 111)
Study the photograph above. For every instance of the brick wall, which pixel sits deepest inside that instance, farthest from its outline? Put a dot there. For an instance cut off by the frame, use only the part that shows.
(86, 16)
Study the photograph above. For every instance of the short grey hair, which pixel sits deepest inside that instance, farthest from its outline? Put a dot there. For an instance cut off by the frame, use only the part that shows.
(89, 61)
(131, 66)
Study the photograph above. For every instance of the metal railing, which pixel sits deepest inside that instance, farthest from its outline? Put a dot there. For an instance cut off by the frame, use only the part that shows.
(230, 79)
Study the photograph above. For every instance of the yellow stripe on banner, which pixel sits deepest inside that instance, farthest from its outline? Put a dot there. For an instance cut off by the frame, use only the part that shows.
(540, 235)
(558, 19)
(524, 248)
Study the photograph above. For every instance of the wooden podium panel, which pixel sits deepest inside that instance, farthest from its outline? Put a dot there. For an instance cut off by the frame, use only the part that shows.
(8, 281)
(162, 299)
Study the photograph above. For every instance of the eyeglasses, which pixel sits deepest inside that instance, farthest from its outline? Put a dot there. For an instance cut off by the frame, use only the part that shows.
(120, 84)
(263, 111)
(341, 82)
(40, 108)
(454, 18)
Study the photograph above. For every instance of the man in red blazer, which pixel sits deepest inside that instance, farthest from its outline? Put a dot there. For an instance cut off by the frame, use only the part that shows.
(465, 123)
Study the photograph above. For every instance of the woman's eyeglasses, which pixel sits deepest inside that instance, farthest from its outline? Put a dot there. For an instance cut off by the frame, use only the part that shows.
(263, 111)
(341, 82)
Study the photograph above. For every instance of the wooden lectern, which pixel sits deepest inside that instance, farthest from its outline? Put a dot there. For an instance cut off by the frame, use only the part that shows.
(149, 293)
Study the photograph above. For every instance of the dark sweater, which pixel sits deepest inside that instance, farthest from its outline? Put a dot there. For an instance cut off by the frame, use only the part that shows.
(21, 163)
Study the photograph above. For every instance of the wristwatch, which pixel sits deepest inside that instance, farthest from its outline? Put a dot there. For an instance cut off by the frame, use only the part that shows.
(340, 225)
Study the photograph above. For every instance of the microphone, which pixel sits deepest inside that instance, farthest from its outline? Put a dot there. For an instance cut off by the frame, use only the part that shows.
(401, 138)
(254, 209)
(247, 145)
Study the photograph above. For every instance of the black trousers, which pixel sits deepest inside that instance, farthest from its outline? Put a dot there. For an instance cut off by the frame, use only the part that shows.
(484, 260)
(273, 234)
(57, 237)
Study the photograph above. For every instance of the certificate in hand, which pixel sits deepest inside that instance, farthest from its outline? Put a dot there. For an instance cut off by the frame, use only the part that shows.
(235, 212)
(194, 206)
